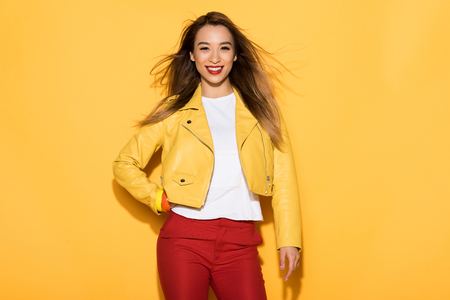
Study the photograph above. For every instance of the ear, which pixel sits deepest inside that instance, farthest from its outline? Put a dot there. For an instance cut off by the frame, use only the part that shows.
(235, 57)
(192, 55)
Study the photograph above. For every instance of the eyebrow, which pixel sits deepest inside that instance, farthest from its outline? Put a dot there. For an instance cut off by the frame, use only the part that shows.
(206, 43)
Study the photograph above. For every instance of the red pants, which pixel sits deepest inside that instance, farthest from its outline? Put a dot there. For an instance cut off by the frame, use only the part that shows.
(193, 254)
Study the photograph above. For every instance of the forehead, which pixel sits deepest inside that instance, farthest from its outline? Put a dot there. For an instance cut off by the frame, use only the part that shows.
(213, 34)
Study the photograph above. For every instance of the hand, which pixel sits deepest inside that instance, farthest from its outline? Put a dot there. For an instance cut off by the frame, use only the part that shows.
(292, 254)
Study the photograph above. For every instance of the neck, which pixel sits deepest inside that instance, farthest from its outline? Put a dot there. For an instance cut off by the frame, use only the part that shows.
(216, 90)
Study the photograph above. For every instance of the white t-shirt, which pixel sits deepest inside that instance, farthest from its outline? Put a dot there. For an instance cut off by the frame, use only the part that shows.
(228, 196)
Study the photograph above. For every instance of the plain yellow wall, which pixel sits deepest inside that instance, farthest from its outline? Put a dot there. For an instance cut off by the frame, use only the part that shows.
(368, 117)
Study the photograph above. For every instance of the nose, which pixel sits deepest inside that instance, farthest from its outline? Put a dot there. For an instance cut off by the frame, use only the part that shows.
(214, 57)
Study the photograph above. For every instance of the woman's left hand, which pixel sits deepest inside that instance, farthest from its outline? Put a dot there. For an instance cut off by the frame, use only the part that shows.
(293, 255)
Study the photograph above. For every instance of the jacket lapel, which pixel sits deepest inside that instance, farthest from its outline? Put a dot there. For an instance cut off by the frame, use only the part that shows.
(245, 121)
(197, 123)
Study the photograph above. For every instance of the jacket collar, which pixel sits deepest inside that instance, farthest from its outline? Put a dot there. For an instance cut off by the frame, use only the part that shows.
(196, 100)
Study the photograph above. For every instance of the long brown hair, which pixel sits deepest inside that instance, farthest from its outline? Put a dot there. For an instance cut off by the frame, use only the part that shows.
(249, 76)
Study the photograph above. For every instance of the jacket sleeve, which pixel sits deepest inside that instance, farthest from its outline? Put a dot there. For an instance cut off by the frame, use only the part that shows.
(285, 201)
(127, 167)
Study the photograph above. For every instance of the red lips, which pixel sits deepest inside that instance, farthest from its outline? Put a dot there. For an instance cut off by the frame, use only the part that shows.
(216, 69)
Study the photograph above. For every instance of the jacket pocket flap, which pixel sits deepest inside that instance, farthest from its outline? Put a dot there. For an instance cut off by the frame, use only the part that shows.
(183, 178)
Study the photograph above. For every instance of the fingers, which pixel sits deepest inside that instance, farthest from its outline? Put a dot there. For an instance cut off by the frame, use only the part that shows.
(295, 262)
(288, 274)
(294, 259)
(292, 267)
(282, 259)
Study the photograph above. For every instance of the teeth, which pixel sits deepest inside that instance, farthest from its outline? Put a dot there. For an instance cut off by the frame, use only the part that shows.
(214, 69)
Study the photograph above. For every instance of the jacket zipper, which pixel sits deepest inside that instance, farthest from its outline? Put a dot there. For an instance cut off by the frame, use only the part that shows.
(265, 159)
(210, 173)
(198, 138)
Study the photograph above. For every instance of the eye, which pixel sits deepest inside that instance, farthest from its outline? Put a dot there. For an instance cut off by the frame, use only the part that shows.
(225, 48)
(204, 48)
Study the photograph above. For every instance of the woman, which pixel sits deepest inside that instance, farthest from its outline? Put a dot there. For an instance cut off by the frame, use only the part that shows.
(223, 143)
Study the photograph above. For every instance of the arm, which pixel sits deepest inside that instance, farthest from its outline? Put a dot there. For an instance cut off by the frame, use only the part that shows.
(286, 200)
(286, 205)
(128, 166)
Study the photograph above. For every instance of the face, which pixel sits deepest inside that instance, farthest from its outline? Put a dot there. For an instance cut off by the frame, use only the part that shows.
(214, 55)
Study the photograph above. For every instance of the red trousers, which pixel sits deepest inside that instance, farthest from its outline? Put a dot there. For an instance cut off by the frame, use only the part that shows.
(194, 254)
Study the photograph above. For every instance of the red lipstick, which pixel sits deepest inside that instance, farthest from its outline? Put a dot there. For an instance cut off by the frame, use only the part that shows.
(214, 69)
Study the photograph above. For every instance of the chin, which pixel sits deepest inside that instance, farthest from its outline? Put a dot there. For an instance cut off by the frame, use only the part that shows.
(216, 82)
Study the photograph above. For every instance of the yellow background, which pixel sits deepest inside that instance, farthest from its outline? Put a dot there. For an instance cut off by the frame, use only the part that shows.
(368, 117)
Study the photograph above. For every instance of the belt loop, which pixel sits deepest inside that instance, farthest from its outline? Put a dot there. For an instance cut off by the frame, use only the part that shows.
(242, 224)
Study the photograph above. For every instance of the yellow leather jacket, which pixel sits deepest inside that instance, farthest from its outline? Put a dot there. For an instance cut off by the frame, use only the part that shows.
(188, 163)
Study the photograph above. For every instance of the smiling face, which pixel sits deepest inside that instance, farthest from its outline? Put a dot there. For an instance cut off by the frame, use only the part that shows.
(214, 55)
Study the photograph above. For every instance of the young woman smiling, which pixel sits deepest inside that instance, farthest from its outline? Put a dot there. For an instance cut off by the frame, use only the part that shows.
(223, 143)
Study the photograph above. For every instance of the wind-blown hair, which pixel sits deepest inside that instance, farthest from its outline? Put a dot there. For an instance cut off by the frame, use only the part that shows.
(249, 75)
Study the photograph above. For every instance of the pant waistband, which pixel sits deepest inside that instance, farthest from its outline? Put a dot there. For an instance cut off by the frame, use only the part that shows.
(220, 222)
